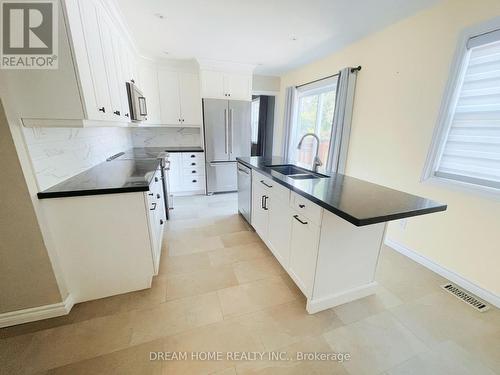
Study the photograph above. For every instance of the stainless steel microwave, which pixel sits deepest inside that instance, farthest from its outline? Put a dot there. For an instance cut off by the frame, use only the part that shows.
(137, 103)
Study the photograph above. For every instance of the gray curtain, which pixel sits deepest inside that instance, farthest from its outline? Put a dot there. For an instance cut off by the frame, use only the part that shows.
(290, 97)
(341, 128)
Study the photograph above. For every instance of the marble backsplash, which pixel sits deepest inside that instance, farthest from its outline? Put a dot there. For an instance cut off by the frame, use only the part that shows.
(60, 153)
(159, 137)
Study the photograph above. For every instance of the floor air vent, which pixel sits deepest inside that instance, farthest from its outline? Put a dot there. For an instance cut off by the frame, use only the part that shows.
(466, 297)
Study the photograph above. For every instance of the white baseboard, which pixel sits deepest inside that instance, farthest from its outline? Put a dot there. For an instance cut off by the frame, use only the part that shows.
(320, 304)
(36, 313)
(444, 272)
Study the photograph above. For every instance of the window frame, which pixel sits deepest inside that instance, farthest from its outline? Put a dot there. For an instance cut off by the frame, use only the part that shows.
(313, 88)
(446, 113)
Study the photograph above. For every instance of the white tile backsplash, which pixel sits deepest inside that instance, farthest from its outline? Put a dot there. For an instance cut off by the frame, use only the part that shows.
(159, 137)
(60, 153)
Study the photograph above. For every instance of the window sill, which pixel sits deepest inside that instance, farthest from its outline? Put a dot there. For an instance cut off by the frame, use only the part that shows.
(464, 187)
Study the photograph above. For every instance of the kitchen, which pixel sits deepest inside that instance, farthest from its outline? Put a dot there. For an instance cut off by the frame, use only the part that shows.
(180, 196)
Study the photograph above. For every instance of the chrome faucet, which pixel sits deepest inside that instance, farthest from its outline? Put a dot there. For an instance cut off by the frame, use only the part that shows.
(317, 161)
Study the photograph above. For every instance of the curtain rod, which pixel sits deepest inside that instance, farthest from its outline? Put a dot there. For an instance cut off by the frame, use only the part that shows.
(358, 68)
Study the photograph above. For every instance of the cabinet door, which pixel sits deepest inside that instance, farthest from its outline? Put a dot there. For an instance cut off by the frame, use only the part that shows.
(260, 213)
(148, 83)
(212, 84)
(304, 242)
(121, 74)
(190, 98)
(170, 106)
(280, 220)
(106, 32)
(89, 17)
(175, 173)
(238, 86)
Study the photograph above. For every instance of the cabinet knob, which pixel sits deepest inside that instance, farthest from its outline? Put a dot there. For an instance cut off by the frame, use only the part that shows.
(158, 196)
(302, 205)
(193, 171)
(102, 109)
(193, 163)
(117, 113)
(161, 221)
(156, 179)
(195, 181)
(126, 114)
(193, 156)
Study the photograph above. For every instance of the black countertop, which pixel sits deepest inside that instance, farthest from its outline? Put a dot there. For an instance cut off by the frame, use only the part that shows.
(357, 201)
(117, 176)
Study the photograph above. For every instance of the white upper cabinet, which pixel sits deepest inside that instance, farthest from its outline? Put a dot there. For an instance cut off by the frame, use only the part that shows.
(190, 99)
(180, 100)
(224, 85)
(170, 104)
(148, 83)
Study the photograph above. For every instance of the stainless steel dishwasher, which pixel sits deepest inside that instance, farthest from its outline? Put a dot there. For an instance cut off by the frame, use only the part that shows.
(245, 191)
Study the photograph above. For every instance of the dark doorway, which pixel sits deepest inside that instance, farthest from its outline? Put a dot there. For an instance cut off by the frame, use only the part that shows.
(262, 125)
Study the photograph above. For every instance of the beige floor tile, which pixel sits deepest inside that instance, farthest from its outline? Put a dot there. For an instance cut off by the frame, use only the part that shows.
(230, 255)
(447, 358)
(257, 269)
(73, 343)
(174, 265)
(226, 224)
(239, 238)
(200, 282)
(287, 324)
(254, 296)
(174, 317)
(441, 317)
(404, 278)
(220, 337)
(365, 307)
(376, 344)
(293, 363)
(190, 245)
(134, 360)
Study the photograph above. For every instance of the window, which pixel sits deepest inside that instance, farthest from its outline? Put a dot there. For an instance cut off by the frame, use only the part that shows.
(314, 111)
(467, 144)
(255, 120)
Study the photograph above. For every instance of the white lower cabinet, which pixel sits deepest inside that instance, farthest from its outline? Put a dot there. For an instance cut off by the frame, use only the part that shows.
(187, 173)
(303, 252)
(331, 261)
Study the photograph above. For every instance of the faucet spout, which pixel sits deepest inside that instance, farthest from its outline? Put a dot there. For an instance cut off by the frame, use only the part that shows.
(316, 161)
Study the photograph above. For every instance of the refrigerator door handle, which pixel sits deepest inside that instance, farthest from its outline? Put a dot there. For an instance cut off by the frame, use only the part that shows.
(231, 130)
(226, 141)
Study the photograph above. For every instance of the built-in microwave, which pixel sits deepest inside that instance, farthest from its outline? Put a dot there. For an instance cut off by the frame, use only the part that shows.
(137, 103)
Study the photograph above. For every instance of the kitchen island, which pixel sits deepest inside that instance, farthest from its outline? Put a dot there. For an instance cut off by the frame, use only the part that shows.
(326, 231)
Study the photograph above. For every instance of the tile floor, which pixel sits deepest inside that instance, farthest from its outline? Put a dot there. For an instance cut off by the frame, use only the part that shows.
(220, 289)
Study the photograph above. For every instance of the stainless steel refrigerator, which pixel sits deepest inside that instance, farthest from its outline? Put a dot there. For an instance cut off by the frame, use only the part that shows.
(227, 136)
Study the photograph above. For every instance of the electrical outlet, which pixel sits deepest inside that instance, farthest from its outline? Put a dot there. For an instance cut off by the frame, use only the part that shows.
(402, 223)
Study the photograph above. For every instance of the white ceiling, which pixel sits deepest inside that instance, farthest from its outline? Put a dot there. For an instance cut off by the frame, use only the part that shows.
(257, 32)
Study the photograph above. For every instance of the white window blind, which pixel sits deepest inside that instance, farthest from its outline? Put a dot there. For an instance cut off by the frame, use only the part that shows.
(471, 148)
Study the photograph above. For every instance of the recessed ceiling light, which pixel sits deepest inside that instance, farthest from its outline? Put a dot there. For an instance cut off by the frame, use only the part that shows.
(166, 52)
(159, 15)
(294, 38)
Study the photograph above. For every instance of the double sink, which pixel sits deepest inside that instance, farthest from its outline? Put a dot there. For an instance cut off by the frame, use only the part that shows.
(297, 173)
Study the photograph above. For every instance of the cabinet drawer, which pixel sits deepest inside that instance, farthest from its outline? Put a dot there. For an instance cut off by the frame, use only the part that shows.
(190, 183)
(278, 191)
(307, 208)
(188, 156)
(194, 171)
(189, 163)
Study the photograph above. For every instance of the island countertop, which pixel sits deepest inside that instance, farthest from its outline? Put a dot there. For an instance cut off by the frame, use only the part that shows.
(118, 176)
(357, 201)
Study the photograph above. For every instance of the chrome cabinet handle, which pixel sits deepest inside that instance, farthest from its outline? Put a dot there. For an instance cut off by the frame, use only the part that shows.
(262, 201)
(265, 202)
(242, 170)
(230, 126)
(225, 132)
(154, 207)
(296, 217)
(263, 183)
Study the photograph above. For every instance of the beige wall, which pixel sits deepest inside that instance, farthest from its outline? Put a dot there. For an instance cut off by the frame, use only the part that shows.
(26, 275)
(265, 83)
(398, 95)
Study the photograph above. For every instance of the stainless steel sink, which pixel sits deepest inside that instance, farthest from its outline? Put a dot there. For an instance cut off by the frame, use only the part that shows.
(295, 172)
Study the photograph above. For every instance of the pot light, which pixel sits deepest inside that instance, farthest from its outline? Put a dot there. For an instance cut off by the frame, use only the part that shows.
(159, 15)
